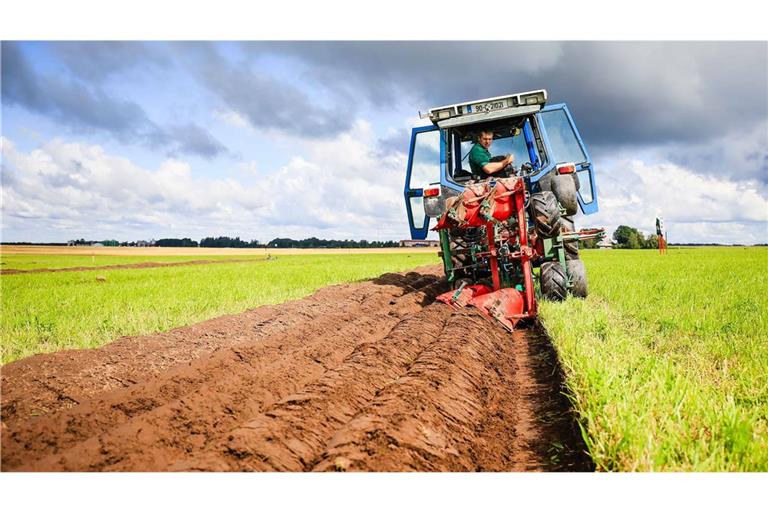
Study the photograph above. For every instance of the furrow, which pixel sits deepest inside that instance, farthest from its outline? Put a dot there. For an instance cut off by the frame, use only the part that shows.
(431, 418)
(54, 433)
(44, 384)
(289, 435)
(179, 412)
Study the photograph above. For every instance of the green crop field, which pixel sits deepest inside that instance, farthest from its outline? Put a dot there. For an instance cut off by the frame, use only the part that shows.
(46, 312)
(38, 261)
(667, 359)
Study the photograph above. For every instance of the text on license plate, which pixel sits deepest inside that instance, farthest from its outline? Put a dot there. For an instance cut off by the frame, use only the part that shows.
(489, 106)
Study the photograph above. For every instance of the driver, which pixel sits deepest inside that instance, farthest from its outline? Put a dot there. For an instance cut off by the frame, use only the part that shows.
(480, 160)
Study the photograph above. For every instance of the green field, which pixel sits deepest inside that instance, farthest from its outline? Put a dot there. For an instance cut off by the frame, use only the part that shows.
(46, 312)
(667, 359)
(35, 261)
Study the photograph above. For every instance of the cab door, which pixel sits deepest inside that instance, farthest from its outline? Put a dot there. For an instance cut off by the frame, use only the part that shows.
(564, 144)
(426, 158)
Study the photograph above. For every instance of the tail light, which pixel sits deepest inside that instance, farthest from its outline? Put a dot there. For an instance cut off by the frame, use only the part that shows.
(431, 192)
(568, 168)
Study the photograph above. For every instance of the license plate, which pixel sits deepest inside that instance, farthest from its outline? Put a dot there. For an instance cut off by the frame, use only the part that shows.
(489, 106)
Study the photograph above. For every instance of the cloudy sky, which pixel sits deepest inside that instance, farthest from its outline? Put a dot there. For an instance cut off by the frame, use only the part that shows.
(133, 140)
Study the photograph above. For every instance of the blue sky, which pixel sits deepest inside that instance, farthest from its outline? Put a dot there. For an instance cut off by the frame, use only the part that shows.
(134, 140)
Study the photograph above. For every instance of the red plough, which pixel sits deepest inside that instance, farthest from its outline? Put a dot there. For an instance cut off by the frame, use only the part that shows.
(500, 211)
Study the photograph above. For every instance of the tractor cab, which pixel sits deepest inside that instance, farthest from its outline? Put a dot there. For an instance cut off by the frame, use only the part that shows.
(543, 138)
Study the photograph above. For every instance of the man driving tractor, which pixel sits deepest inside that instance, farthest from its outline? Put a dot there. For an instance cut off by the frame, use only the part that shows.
(481, 162)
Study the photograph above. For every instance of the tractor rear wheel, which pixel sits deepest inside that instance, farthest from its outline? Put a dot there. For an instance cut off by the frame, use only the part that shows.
(554, 283)
(578, 274)
(571, 246)
(545, 183)
(564, 188)
(546, 213)
(460, 254)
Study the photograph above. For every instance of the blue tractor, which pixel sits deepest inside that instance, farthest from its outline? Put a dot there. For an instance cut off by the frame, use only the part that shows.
(495, 230)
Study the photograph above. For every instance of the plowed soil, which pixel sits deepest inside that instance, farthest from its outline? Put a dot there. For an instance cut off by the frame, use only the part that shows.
(369, 376)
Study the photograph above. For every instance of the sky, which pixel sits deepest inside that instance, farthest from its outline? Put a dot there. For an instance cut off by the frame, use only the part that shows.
(140, 140)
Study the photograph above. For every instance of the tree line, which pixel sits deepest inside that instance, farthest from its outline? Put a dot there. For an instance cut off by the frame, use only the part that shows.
(319, 243)
(236, 242)
(627, 237)
(631, 238)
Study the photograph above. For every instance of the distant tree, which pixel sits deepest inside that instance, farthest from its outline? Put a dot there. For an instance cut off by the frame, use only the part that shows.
(652, 242)
(319, 243)
(622, 234)
(629, 238)
(176, 242)
(223, 241)
(635, 241)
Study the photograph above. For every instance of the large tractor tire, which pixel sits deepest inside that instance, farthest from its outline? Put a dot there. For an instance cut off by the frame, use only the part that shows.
(578, 274)
(571, 246)
(564, 188)
(546, 214)
(545, 183)
(554, 283)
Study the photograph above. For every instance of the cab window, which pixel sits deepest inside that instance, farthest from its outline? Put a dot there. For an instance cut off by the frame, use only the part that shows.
(426, 160)
(513, 142)
(562, 139)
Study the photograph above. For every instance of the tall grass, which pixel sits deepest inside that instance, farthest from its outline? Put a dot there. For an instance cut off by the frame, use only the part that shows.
(667, 359)
(53, 311)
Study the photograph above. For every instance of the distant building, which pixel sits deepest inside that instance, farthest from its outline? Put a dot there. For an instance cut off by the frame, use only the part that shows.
(605, 243)
(419, 243)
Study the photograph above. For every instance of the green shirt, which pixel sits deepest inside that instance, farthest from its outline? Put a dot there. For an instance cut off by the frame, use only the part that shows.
(478, 157)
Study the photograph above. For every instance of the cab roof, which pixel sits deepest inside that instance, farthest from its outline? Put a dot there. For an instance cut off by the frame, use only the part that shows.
(488, 109)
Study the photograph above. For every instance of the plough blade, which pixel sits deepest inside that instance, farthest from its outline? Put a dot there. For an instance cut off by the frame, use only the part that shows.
(505, 305)
(462, 296)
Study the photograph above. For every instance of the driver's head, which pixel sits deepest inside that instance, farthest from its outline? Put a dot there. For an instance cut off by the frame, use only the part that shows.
(485, 138)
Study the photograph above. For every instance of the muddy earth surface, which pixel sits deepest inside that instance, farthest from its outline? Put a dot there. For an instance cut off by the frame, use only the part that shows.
(367, 376)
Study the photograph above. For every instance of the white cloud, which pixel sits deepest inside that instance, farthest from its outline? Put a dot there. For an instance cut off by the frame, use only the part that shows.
(342, 183)
(250, 168)
(696, 208)
(340, 190)
(231, 117)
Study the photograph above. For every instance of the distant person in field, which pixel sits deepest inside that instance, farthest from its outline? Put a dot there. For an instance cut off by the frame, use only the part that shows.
(660, 235)
(482, 164)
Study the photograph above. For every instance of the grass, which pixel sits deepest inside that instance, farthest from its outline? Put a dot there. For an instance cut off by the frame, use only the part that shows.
(667, 358)
(46, 312)
(34, 261)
